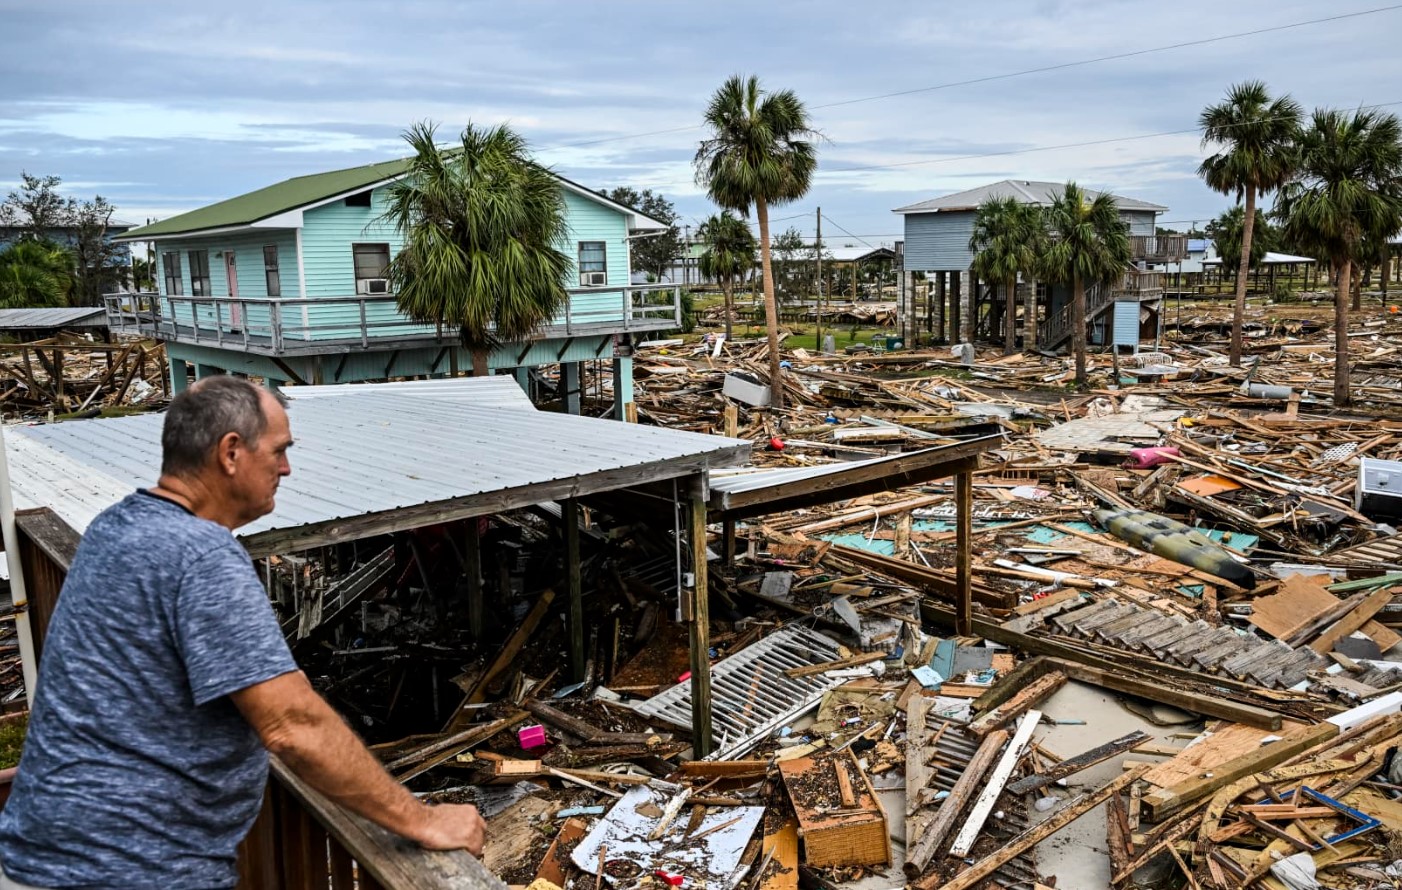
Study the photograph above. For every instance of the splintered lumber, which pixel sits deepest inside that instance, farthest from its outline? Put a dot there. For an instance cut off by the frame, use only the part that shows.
(983, 807)
(919, 854)
(813, 670)
(513, 646)
(1164, 801)
(1179, 698)
(1031, 695)
(435, 753)
(724, 769)
(1079, 762)
(1352, 621)
(1032, 836)
(573, 725)
(941, 583)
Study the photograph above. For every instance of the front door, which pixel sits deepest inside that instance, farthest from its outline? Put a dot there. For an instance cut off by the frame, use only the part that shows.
(231, 274)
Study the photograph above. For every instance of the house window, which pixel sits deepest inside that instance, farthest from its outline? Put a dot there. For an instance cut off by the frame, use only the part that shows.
(199, 273)
(371, 268)
(593, 263)
(171, 262)
(270, 271)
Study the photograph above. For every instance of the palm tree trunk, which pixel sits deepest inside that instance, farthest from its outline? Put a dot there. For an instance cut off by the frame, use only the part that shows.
(729, 288)
(1341, 295)
(1248, 227)
(1010, 318)
(1029, 325)
(1078, 327)
(771, 309)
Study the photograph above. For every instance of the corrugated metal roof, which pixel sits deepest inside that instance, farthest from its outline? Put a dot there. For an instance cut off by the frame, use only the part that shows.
(496, 391)
(374, 450)
(1271, 258)
(1025, 190)
(76, 316)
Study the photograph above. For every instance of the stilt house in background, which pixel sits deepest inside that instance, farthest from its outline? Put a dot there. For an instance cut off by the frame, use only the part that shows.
(961, 309)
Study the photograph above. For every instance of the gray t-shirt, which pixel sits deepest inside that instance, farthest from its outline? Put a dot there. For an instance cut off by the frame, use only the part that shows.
(138, 770)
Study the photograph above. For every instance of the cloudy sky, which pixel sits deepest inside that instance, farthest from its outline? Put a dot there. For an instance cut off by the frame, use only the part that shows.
(165, 106)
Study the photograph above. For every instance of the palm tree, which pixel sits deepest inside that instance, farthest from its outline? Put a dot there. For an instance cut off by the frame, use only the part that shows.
(1089, 244)
(1258, 135)
(1348, 189)
(481, 223)
(35, 274)
(1005, 242)
(758, 153)
(729, 255)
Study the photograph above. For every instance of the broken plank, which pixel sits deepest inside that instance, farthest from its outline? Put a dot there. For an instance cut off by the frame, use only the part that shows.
(1179, 698)
(1031, 837)
(983, 807)
(919, 855)
(1079, 762)
(813, 670)
(1031, 695)
(1355, 619)
(1164, 801)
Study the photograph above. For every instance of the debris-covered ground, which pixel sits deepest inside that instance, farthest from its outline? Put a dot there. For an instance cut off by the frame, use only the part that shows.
(1183, 670)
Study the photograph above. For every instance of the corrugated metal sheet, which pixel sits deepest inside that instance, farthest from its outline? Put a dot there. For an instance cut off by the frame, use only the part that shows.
(498, 391)
(66, 317)
(370, 450)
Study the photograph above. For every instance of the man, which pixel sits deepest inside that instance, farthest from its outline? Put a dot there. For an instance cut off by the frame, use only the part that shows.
(165, 677)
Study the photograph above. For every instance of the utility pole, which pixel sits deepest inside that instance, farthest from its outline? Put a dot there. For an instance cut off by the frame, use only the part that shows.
(818, 249)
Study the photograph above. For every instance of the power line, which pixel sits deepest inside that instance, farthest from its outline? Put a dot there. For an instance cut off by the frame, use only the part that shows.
(1127, 55)
(1023, 73)
(847, 233)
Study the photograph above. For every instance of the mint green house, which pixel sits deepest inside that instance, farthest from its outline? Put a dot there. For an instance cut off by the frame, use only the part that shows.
(289, 283)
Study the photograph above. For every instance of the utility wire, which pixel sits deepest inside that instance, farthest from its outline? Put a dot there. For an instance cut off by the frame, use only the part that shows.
(1024, 73)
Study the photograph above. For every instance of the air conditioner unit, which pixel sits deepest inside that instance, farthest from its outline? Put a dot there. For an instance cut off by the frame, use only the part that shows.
(372, 286)
(593, 279)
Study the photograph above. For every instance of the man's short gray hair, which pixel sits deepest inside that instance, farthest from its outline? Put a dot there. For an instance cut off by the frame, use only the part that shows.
(203, 414)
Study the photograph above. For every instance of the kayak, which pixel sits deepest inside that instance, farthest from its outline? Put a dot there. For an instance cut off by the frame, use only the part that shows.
(1173, 540)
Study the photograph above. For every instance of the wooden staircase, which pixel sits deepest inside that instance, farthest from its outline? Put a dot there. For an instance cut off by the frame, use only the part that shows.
(1057, 327)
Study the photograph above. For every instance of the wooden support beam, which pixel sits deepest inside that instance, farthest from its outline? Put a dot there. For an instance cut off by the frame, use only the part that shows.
(919, 855)
(1165, 801)
(513, 647)
(569, 516)
(1353, 620)
(983, 807)
(1079, 762)
(1162, 692)
(1033, 836)
(700, 630)
(963, 555)
(727, 537)
(472, 576)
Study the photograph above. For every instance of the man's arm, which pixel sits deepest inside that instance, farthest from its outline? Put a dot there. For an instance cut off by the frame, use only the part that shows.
(297, 725)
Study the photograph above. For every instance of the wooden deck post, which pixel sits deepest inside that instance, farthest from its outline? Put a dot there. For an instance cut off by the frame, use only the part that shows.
(472, 576)
(700, 629)
(964, 536)
(569, 515)
(955, 286)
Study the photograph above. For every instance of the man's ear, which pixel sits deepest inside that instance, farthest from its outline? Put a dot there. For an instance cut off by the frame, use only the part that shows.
(226, 453)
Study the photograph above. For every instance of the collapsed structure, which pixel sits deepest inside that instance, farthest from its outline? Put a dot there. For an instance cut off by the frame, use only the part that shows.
(958, 628)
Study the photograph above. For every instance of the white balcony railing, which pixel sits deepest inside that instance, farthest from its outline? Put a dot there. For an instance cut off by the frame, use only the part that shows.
(292, 325)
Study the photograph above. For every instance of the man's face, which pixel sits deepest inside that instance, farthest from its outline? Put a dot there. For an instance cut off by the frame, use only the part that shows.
(260, 466)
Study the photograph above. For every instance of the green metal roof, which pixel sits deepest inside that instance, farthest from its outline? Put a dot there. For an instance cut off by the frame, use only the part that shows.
(265, 202)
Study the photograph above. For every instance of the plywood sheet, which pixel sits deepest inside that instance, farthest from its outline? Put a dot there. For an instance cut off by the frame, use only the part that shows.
(1298, 601)
(782, 871)
(1228, 741)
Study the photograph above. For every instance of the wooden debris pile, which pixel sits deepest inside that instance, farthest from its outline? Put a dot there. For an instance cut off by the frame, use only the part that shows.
(69, 373)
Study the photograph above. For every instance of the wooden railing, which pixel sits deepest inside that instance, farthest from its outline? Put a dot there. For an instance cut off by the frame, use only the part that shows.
(1159, 248)
(302, 840)
(1134, 285)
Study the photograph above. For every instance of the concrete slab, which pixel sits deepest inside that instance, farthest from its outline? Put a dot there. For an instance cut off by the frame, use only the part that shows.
(1077, 855)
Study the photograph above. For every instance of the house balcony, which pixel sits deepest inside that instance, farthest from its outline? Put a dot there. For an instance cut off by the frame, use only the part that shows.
(293, 326)
(1159, 248)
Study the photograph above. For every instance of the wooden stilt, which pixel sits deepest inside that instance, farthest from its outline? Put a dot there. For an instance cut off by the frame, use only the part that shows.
(963, 561)
(569, 509)
(728, 541)
(700, 631)
(472, 577)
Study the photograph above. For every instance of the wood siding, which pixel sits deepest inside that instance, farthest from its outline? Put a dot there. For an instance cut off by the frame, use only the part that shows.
(939, 242)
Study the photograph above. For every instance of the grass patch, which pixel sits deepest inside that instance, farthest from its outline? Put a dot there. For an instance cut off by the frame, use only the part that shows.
(12, 734)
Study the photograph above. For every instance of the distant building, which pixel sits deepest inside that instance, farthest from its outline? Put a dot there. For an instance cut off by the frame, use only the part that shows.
(937, 233)
(290, 283)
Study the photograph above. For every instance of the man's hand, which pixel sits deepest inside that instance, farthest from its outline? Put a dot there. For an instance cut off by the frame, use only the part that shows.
(452, 827)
